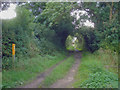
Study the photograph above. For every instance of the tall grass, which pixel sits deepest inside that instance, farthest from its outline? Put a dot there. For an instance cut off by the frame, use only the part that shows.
(109, 59)
(27, 69)
(97, 70)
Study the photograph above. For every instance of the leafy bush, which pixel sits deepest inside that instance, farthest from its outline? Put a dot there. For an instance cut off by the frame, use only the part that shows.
(90, 37)
(30, 38)
(18, 31)
(110, 36)
(101, 80)
(93, 73)
(45, 39)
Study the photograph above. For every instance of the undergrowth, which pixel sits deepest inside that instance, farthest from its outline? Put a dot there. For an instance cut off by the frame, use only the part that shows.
(102, 79)
(93, 73)
(27, 69)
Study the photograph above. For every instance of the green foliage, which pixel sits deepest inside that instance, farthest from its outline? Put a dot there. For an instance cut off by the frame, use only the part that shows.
(80, 42)
(29, 37)
(101, 80)
(69, 45)
(41, 31)
(105, 18)
(45, 33)
(109, 58)
(45, 39)
(56, 16)
(27, 69)
(35, 7)
(92, 72)
(91, 39)
(54, 13)
(59, 72)
(72, 44)
(18, 31)
(110, 35)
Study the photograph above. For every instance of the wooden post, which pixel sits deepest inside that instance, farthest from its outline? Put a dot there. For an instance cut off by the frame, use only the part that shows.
(13, 54)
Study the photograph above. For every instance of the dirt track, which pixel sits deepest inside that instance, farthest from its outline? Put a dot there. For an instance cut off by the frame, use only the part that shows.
(69, 78)
(35, 83)
(62, 83)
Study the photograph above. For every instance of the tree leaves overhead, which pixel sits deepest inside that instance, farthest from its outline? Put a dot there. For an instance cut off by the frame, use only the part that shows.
(54, 13)
(105, 17)
(6, 5)
(57, 16)
(49, 25)
(35, 7)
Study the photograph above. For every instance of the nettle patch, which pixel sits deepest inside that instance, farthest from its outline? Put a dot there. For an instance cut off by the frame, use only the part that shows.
(101, 80)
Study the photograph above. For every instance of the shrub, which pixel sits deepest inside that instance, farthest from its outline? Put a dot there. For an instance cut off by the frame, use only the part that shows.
(101, 80)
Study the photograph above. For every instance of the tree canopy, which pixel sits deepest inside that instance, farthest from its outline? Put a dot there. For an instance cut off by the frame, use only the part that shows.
(44, 27)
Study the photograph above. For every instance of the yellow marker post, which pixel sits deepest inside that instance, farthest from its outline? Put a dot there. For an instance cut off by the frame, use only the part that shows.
(13, 54)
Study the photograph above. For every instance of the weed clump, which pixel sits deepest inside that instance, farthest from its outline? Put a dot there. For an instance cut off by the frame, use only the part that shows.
(101, 80)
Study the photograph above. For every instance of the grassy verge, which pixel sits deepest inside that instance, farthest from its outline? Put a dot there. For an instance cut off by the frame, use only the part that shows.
(59, 72)
(28, 69)
(93, 73)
